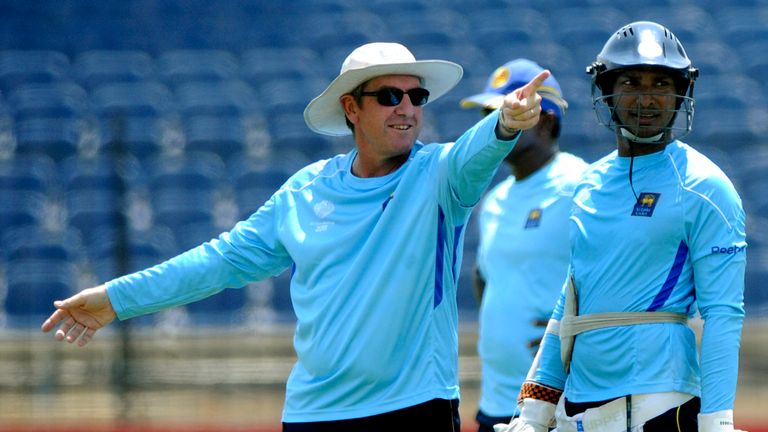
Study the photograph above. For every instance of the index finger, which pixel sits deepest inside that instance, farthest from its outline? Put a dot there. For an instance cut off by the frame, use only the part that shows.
(534, 84)
(54, 319)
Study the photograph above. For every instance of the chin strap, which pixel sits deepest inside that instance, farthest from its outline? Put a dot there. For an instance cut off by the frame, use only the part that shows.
(656, 139)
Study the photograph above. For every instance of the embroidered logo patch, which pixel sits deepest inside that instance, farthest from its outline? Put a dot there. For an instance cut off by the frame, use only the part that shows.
(534, 219)
(645, 204)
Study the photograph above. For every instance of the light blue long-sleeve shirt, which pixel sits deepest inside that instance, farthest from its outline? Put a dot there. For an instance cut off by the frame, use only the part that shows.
(374, 264)
(679, 247)
(523, 257)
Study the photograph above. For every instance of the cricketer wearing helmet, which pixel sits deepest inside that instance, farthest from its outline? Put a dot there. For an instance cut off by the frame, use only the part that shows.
(657, 233)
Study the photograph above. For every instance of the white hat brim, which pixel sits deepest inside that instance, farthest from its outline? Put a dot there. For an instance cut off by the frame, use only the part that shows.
(324, 114)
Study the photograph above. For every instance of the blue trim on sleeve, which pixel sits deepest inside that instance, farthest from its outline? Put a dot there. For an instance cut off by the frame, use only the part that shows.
(672, 277)
(456, 236)
(439, 256)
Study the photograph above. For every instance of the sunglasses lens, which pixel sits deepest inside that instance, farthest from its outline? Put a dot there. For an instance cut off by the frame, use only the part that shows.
(419, 96)
(390, 96)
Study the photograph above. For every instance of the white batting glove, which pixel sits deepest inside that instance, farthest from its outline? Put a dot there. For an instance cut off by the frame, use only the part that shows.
(535, 416)
(719, 421)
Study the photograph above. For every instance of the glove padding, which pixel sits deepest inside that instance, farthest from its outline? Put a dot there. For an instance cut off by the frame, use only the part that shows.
(535, 416)
(719, 421)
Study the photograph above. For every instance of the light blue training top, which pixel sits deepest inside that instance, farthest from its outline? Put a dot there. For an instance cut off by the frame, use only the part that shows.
(374, 264)
(680, 246)
(523, 256)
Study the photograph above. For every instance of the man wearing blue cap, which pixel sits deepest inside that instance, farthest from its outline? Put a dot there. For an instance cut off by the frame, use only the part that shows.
(523, 254)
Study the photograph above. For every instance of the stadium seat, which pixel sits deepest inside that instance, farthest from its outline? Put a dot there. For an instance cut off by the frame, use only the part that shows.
(229, 97)
(724, 127)
(92, 208)
(262, 64)
(223, 135)
(131, 116)
(183, 191)
(467, 54)
(36, 242)
(740, 24)
(255, 180)
(49, 100)
(439, 26)
(143, 249)
(225, 308)
(323, 30)
(181, 66)
(290, 134)
(755, 62)
(490, 27)
(27, 173)
(713, 57)
(691, 23)
(99, 171)
(18, 67)
(57, 138)
(142, 98)
(26, 181)
(287, 96)
(21, 209)
(585, 36)
(32, 286)
(94, 68)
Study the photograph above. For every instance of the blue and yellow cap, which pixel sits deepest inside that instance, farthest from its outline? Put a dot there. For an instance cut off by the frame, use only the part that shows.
(512, 75)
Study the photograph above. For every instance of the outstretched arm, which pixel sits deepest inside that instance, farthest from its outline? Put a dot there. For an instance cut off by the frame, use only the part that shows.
(81, 315)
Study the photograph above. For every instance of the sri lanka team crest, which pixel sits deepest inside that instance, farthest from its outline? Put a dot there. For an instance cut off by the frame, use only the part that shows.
(534, 219)
(645, 204)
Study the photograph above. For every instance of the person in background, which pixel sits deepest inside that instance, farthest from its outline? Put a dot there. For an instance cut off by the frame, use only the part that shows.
(373, 240)
(657, 233)
(523, 253)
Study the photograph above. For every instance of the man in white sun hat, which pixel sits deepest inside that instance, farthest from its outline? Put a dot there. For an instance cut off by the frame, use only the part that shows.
(373, 239)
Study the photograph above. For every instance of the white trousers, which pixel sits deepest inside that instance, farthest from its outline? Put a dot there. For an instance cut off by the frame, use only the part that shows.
(612, 417)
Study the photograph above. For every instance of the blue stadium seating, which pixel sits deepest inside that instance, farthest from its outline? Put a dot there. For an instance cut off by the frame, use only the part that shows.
(491, 27)
(36, 242)
(184, 193)
(18, 67)
(197, 65)
(57, 137)
(255, 180)
(49, 100)
(25, 184)
(439, 26)
(260, 64)
(233, 79)
(323, 30)
(32, 286)
(27, 173)
(143, 249)
(94, 68)
(741, 24)
(223, 135)
(142, 98)
(213, 98)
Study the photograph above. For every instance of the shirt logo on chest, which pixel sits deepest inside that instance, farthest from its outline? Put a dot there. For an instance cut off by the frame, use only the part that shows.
(646, 204)
(534, 219)
(322, 210)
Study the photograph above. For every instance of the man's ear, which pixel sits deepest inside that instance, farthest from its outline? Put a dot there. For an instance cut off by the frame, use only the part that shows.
(350, 107)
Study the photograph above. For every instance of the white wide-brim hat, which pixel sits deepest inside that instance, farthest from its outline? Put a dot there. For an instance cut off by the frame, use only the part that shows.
(324, 114)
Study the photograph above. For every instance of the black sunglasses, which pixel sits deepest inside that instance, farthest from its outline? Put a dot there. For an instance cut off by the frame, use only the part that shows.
(389, 96)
